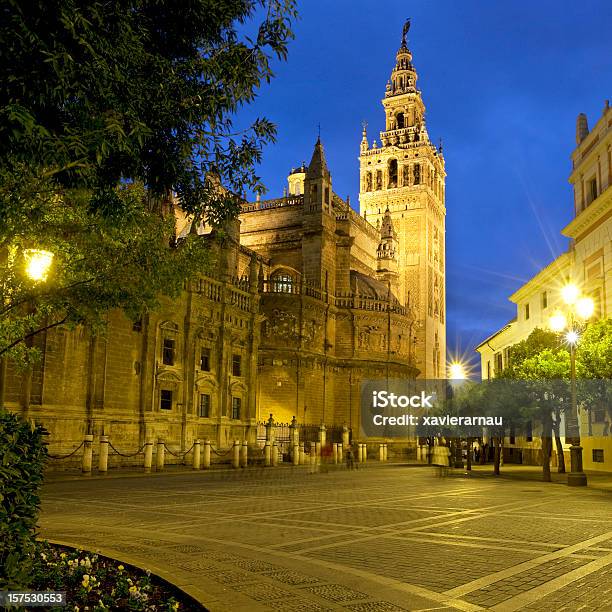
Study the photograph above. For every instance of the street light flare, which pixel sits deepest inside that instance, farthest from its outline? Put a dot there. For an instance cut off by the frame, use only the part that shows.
(570, 293)
(585, 307)
(572, 336)
(558, 322)
(457, 371)
(37, 264)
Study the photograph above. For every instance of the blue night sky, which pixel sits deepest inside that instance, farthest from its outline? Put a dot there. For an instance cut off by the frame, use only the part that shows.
(503, 83)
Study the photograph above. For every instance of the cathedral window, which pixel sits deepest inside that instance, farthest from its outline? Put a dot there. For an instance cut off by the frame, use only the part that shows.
(392, 174)
(368, 182)
(237, 365)
(406, 177)
(399, 120)
(204, 405)
(236, 406)
(165, 399)
(379, 179)
(168, 350)
(417, 174)
(282, 282)
(205, 360)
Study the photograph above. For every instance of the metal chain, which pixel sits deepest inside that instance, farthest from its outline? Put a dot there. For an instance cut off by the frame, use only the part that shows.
(128, 455)
(68, 455)
(229, 450)
(179, 454)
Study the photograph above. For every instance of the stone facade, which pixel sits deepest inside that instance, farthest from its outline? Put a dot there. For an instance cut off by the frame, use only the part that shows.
(587, 263)
(309, 298)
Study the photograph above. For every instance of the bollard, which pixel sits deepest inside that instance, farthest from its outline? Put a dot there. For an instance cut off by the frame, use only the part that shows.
(385, 452)
(381, 452)
(274, 454)
(335, 452)
(345, 436)
(295, 456)
(206, 458)
(103, 457)
(267, 454)
(322, 435)
(313, 455)
(244, 454)
(365, 452)
(302, 453)
(236, 454)
(340, 452)
(148, 456)
(318, 449)
(87, 454)
(160, 458)
(196, 455)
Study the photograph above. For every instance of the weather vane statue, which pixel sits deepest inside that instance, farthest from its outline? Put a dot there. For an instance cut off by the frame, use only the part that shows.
(405, 31)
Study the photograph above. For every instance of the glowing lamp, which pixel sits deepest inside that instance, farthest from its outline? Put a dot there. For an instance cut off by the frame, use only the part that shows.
(570, 294)
(37, 264)
(572, 337)
(457, 371)
(585, 308)
(558, 322)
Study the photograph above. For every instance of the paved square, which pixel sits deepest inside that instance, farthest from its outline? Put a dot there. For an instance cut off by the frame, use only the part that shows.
(381, 538)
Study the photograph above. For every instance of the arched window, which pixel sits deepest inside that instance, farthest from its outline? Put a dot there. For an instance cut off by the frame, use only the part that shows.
(282, 282)
(368, 182)
(417, 174)
(379, 179)
(392, 173)
(399, 120)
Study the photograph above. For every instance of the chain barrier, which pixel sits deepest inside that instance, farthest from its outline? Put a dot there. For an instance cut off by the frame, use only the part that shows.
(179, 454)
(127, 455)
(219, 454)
(68, 455)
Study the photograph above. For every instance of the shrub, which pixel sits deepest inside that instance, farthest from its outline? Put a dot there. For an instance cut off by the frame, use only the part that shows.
(23, 453)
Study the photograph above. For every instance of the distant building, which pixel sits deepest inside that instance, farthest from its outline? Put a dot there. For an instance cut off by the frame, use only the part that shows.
(588, 264)
(308, 299)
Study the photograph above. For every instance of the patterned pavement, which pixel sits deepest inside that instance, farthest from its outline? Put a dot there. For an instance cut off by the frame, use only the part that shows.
(384, 538)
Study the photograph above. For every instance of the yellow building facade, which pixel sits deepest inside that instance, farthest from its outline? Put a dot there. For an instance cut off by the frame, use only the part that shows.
(587, 263)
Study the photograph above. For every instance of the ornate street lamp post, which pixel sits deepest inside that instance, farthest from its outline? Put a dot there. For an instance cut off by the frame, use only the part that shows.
(572, 321)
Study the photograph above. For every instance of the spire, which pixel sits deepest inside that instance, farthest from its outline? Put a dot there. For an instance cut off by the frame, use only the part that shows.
(387, 231)
(364, 136)
(582, 128)
(317, 167)
(403, 77)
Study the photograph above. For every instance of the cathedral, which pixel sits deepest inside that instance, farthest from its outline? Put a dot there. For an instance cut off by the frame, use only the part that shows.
(308, 299)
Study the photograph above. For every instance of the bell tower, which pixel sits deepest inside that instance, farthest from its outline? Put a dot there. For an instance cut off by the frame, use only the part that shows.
(405, 176)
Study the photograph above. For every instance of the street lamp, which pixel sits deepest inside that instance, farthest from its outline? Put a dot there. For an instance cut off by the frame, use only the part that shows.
(456, 371)
(37, 264)
(578, 310)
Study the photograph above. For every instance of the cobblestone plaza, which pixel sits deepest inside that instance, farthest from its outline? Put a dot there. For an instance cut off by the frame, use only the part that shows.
(381, 538)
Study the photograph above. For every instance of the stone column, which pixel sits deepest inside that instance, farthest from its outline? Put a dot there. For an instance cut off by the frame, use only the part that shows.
(244, 454)
(87, 454)
(236, 454)
(148, 456)
(274, 454)
(160, 458)
(103, 457)
(313, 455)
(335, 452)
(345, 436)
(206, 462)
(267, 454)
(381, 452)
(296, 454)
(302, 453)
(385, 454)
(322, 435)
(196, 455)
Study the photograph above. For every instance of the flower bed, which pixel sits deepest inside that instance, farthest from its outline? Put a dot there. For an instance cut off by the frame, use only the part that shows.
(96, 583)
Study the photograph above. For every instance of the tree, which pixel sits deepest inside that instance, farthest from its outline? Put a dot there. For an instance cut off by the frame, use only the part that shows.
(108, 111)
(540, 360)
